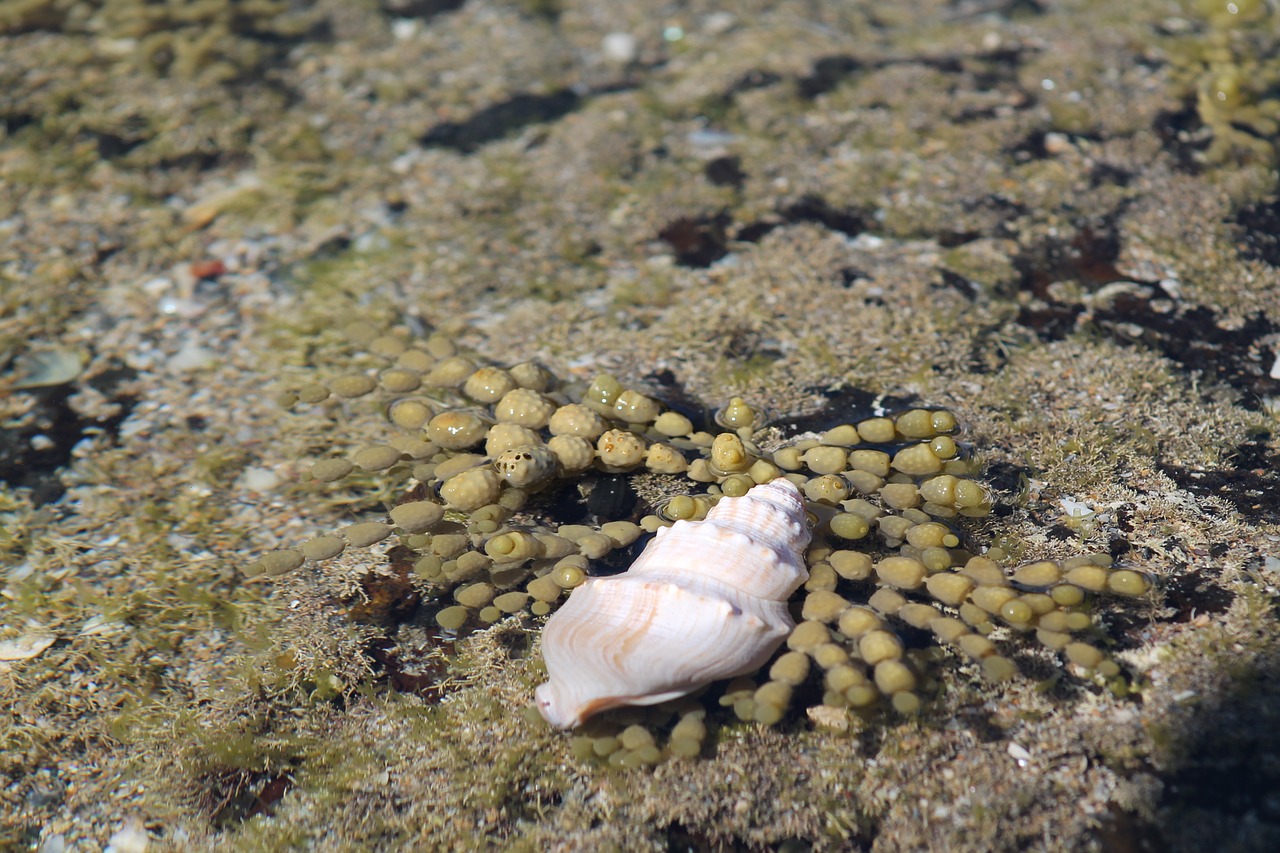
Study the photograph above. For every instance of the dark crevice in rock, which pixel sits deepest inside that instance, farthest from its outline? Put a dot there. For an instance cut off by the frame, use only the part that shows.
(56, 428)
(424, 9)
(697, 241)
(501, 120)
(725, 172)
(419, 670)
(1251, 484)
(808, 208)
(1183, 136)
(845, 405)
(827, 73)
(1260, 231)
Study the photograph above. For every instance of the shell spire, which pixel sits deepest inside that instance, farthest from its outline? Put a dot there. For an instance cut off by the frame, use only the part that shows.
(706, 600)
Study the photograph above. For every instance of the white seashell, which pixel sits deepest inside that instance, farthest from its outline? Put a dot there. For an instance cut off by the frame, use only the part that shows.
(706, 600)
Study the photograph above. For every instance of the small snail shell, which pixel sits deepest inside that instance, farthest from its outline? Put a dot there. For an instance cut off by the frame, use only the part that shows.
(706, 600)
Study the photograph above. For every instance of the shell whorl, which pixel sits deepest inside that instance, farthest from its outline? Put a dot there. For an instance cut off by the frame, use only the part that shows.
(706, 600)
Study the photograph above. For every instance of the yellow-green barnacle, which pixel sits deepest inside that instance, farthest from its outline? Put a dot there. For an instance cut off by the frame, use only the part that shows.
(985, 572)
(917, 460)
(414, 448)
(864, 483)
(452, 618)
(440, 344)
(687, 736)
(915, 424)
(789, 458)
(527, 466)
(664, 459)
(410, 413)
(763, 471)
(312, 393)
(737, 415)
(450, 372)
(366, 533)
(457, 430)
(679, 508)
(939, 489)
(513, 546)
(355, 385)
(877, 430)
(474, 596)
(525, 407)
(569, 572)
(879, 645)
(944, 447)
(1127, 582)
(502, 437)
(620, 450)
(729, 455)
(887, 601)
(276, 563)
(992, 598)
(875, 462)
(416, 516)
(400, 380)
(845, 435)
(931, 534)
(900, 495)
(829, 489)
(824, 459)
(790, 668)
(602, 393)
(938, 559)
(573, 452)
(807, 636)
(379, 457)
(771, 702)
(1044, 573)
(1087, 576)
(419, 361)
(1067, 595)
(472, 489)
(673, 425)
(577, 419)
(287, 398)
(893, 529)
(635, 408)
(532, 376)
(511, 602)
(544, 589)
(322, 548)
(595, 546)
(824, 606)
(902, 572)
(699, 471)
(919, 615)
(621, 533)
(949, 588)
(329, 470)
(488, 384)
(851, 565)
(969, 494)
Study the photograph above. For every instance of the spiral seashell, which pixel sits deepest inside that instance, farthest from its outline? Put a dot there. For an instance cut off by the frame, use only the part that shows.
(706, 600)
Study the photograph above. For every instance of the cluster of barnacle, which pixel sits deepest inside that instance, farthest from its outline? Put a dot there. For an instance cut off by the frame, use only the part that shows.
(1228, 66)
(481, 441)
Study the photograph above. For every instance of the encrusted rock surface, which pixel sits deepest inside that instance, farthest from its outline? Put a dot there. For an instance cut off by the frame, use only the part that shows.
(1056, 221)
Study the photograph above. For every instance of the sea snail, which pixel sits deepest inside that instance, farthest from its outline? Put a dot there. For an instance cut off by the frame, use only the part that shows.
(706, 600)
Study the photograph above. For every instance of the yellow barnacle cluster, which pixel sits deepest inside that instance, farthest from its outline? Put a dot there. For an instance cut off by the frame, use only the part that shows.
(474, 446)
